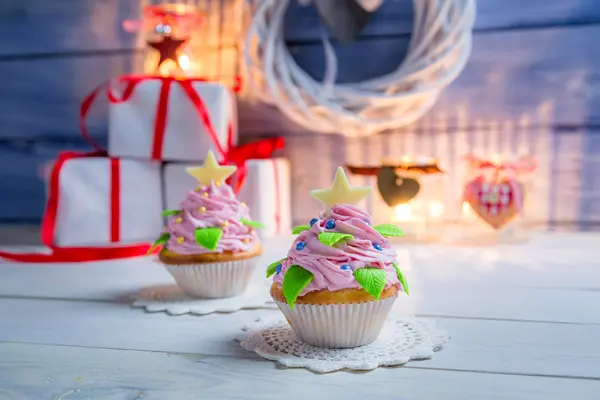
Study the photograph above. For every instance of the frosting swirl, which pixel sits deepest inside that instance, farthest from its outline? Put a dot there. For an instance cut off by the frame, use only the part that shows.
(325, 262)
(211, 206)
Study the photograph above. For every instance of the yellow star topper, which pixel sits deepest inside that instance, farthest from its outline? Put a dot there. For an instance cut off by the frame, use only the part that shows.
(341, 192)
(211, 170)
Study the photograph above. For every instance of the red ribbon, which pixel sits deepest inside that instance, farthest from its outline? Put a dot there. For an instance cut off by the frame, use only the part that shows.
(237, 155)
(78, 254)
(228, 154)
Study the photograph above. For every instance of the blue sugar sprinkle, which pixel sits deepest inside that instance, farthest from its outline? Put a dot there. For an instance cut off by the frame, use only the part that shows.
(377, 247)
(313, 221)
(345, 267)
(278, 268)
(300, 245)
(330, 224)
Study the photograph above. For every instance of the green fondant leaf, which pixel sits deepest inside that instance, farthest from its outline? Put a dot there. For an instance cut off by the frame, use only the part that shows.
(252, 224)
(162, 239)
(331, 238)
(300, 228)
(389, 230)
(167, 213)
(372, 280)
(208, 237)
(295, 279)
(271, 269)
(402, 279)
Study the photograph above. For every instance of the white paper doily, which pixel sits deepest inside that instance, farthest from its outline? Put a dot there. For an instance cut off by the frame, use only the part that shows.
(403, 339)
(173, 301)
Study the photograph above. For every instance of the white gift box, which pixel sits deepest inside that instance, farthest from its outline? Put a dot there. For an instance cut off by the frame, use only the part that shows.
(266, 191)
(103, 201)
(157, 118)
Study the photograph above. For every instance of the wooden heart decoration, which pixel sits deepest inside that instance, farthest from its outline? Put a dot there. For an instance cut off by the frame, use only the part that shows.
(344, 18)
(395, 189)
(494, 202)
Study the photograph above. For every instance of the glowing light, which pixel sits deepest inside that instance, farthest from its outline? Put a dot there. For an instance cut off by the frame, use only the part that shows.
(436, 209)
(466, 208)
(184, 61)
(403, 212)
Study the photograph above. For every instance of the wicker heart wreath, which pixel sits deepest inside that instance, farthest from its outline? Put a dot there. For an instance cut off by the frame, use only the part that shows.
(439, 47)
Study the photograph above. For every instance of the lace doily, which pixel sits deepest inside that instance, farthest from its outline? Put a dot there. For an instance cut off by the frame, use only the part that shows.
(403, 339)
(173, 301)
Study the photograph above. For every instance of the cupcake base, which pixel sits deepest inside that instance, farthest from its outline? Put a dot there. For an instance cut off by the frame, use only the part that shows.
(214, 280)
(211, 276)
(338, 325)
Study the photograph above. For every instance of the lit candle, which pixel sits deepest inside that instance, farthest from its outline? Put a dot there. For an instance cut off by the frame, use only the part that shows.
(496, 159)
(436, 209)
(467, 211)
(184, 61)
(412, 225)
(402, 212)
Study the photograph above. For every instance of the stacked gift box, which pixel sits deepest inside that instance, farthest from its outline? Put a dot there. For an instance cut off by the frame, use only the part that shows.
(158, 126)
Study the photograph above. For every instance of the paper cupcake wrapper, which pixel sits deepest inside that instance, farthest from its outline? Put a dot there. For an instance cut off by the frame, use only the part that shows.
(214, 280)
(338, 325)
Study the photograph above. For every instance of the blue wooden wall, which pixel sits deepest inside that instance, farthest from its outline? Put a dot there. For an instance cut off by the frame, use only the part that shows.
(532, 78)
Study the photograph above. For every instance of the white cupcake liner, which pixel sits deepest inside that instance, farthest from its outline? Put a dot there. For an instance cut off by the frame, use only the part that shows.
(338, 325)
(214, 280)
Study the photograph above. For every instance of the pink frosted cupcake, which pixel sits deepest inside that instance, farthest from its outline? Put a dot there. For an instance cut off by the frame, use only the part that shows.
(340, 279)
(209, 245)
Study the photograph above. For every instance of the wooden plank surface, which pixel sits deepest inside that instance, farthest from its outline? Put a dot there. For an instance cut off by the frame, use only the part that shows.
(38, 371)
(544, 75)
(526, 347)
(41, 98)
(70, 331)
(553, 274)
(38, 27)
(55, 26)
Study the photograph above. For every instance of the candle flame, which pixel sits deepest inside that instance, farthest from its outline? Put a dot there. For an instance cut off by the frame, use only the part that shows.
(403, 212)
(184, 61)
(436, 209)
(466, 208)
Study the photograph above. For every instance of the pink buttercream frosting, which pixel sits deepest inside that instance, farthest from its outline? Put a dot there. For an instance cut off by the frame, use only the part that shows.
(325, 262)
(221, 209)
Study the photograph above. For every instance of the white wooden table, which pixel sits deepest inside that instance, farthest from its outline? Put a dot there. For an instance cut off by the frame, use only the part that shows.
(524, 322)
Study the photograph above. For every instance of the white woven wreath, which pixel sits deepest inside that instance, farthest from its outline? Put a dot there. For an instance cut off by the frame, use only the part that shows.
(439, 48)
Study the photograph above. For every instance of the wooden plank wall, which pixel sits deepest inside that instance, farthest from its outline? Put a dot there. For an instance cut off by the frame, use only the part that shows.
(531, 86)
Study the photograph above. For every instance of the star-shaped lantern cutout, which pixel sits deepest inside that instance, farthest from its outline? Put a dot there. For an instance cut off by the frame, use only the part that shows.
(167, 47)
(211, 170)
(341, 192)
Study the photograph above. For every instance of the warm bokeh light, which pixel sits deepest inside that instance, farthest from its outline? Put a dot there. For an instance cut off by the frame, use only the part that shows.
(403, 212)
(184, 61)
(436, 209)
(466, 208)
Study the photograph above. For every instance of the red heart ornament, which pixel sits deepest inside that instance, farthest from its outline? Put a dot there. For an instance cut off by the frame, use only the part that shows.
(495, 202)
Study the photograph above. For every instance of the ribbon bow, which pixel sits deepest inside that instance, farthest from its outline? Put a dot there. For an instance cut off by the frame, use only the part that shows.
(229, 154)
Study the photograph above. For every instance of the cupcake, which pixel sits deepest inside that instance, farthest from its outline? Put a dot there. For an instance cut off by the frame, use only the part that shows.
(340, 279)
(210, 245)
